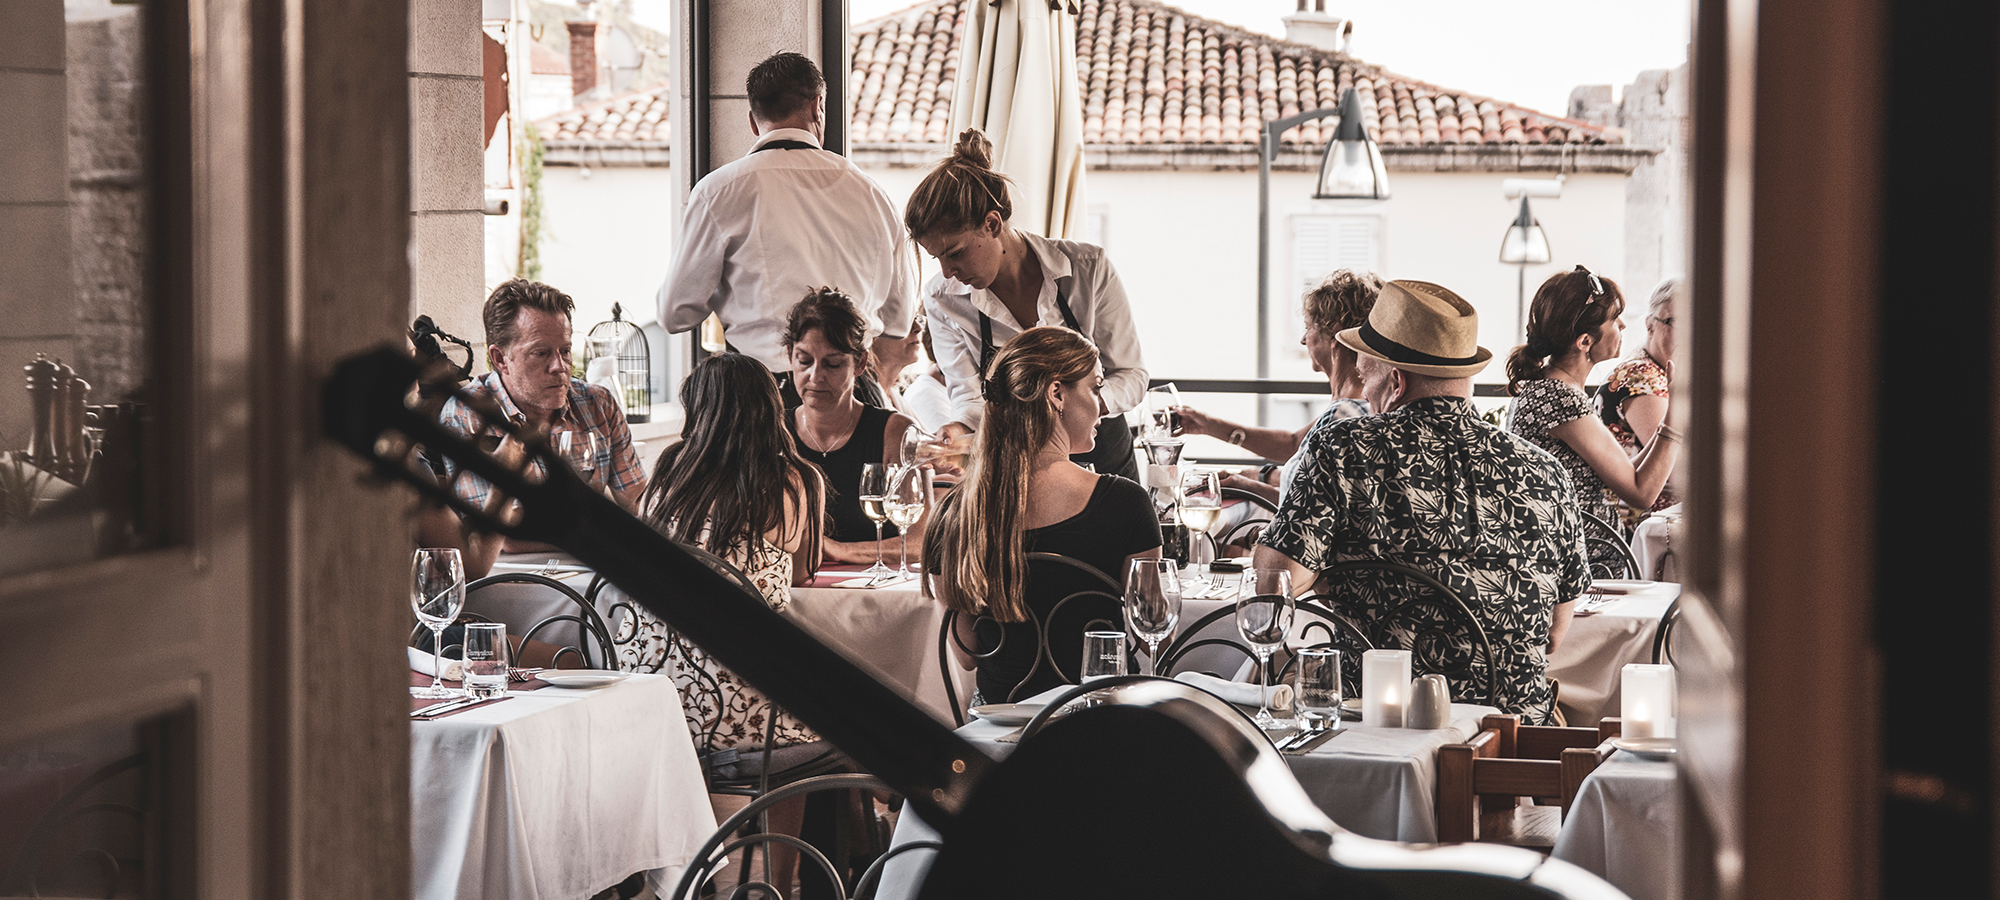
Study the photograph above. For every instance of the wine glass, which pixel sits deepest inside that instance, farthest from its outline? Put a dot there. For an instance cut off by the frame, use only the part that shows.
(579, 447)
(909, 490)
(875, 484)
(1201, 504)
(1162, 403)
(437, 593)
(1264, 609)
(1152, 603)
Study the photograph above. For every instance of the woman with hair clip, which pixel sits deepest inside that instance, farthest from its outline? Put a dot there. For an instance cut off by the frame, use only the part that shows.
(997, 281)
(1024, 495)
(1573, 325)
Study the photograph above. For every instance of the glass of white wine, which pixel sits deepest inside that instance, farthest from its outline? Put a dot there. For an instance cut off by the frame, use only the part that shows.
(1201, 504)
(909, 491)
(875, 484)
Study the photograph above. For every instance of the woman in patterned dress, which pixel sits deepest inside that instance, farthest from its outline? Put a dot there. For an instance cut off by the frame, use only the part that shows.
(1572, 326)
(1633, 400)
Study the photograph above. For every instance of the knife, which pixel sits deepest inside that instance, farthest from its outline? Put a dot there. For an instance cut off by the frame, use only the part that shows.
(438, 709)
(1315, 741)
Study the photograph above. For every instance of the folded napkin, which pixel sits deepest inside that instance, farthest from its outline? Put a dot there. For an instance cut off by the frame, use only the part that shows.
(1238, 692)
(421, 662)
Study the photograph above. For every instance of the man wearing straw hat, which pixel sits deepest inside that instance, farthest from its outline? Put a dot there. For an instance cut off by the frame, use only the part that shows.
(1429, 484)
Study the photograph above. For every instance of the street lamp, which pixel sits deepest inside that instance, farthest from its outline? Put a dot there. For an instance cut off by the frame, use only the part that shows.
(1350, 169)
(1525, 243)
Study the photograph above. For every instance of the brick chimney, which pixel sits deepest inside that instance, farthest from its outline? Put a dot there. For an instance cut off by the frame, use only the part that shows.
(1318, 28)
(583, 57)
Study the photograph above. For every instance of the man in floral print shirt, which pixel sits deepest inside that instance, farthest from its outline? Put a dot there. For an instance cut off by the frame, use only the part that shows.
(1429, 484)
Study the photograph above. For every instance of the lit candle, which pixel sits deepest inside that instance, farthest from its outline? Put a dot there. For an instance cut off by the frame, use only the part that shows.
(1385, 687)
(1647, 700)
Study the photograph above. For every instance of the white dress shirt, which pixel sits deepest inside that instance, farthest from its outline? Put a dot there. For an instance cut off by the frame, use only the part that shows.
(1095, 296)
(762, 231)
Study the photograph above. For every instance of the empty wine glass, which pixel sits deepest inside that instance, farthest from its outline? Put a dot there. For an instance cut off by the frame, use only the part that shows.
(1162, 408)
(874, 485)
(437, 593)
(909, 490)
(1264, 609)
(579, 447)
(1152, 604)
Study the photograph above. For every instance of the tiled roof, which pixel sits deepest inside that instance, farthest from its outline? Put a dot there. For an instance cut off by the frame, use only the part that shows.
(1152, 74)
(637, 116)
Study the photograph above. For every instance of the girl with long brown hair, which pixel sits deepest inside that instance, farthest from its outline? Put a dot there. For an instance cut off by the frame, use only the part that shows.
(1572, 326)
(1024, 495)
(997, 281)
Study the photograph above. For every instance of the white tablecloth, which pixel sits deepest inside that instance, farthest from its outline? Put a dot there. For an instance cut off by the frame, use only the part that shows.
(1625, 826)
(1599, 645)
(1375, 782)
(890, 631)
(1653, 545)
(556, 794)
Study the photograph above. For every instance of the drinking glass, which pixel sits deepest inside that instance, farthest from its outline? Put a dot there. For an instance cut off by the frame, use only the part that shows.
(1264, 609)
(1319, 694)
(875, 484)
(1162, 405)
(1103, 657)
(1201, 505)
(437, 593)
(486, 659)
(1152, 603)
(579, 448)
(909, 490)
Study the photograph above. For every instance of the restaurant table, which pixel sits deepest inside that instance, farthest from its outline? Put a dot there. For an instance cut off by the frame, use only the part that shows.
(891, 631)
(556, 794)
(1653, 545)
(1599, 644)
(1375, 782)
(1624, 826)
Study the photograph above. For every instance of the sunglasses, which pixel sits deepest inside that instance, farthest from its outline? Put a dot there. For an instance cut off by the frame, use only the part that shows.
(1596, 285)
(1665, 320)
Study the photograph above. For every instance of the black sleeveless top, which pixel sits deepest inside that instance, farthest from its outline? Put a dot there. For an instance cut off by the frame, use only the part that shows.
(842, 469)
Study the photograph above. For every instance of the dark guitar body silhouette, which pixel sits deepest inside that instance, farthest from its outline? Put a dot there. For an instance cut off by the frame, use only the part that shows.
(1207, 810)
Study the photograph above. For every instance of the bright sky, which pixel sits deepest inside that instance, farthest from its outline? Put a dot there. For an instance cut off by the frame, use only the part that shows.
(1530, 52)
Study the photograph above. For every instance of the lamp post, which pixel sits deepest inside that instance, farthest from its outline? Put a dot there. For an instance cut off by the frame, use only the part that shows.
(1525, 243)
(1350, 169)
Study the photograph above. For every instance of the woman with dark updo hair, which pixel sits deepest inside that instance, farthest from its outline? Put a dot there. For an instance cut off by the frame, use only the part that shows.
(997, 281)
(1572, 326)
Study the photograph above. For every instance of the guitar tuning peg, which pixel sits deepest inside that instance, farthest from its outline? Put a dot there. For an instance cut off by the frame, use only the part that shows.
(392, 444)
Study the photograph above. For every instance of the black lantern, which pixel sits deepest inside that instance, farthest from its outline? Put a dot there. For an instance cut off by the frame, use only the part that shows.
(629, 366)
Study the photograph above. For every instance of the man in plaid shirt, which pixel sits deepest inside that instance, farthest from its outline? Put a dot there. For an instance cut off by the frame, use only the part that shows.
(528, 348)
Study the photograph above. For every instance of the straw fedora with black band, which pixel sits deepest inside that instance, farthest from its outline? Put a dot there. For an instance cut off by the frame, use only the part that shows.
(1423, 328)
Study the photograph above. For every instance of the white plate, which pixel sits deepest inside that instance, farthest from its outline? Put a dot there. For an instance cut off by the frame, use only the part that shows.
(581, 678)
(1007, 713)
(1648, 748)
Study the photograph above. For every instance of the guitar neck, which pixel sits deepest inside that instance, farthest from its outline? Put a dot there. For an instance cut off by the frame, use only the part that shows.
(935, 769)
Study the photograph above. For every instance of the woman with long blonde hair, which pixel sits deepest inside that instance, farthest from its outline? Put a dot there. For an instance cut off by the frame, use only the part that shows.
(1024, 495)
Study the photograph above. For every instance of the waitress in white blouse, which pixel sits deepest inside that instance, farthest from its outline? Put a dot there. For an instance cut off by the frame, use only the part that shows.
(998, 281)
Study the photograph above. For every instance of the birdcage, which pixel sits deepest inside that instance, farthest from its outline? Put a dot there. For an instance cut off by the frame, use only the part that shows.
(626, 367)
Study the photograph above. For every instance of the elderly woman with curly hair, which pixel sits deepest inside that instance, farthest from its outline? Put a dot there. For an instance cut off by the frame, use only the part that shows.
(1340, 302)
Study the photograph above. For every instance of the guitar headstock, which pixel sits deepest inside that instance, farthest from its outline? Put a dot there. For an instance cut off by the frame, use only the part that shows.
(386, 407)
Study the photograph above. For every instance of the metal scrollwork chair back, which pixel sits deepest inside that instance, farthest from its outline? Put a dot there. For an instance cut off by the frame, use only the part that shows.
(1317, 625)
(1245, 528)
(1190, 638)
(1065, 597)
(1609, 551)
(1663, 635)
(589, 627)
(1401, 607)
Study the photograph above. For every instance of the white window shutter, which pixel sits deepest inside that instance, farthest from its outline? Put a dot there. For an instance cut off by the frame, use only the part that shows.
(1322, 243)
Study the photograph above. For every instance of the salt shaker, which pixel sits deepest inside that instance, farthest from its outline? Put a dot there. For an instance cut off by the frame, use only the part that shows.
(1430, 703)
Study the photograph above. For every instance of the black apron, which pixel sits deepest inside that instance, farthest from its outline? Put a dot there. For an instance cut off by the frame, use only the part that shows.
(1113, 454)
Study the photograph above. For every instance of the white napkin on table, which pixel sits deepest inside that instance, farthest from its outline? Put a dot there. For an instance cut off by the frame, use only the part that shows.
(1238, 692)
(421, 662)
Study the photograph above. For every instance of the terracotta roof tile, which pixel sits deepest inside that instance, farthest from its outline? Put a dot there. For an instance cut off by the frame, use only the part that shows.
(1150, 74)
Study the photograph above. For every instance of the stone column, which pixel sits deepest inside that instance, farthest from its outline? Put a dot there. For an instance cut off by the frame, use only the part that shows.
(447, 199)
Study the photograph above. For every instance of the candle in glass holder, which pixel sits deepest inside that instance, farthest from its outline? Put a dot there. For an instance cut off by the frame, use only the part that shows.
(1647, 700)
(1385, 687)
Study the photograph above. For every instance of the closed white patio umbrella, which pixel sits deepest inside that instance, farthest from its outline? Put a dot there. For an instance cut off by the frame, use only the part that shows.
(1017, 81)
